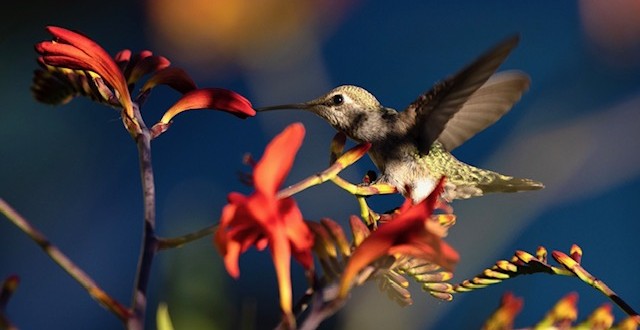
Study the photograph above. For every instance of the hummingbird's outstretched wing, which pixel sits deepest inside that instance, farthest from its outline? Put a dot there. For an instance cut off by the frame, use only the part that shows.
(429, 114)
(484, 107)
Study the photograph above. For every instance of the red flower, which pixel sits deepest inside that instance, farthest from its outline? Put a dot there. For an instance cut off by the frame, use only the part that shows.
(262, 219)
(206, 98)
(74, 51)
(505, 315)
(414, 232)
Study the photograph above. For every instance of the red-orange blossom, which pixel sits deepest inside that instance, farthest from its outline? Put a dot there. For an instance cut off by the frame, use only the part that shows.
(262, 219)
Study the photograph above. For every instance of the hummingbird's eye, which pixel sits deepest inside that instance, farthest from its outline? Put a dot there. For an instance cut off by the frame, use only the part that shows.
(337, 99)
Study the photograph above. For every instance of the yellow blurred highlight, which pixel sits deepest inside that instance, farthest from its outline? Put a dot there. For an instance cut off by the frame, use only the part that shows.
(163, 320)
(204, 31)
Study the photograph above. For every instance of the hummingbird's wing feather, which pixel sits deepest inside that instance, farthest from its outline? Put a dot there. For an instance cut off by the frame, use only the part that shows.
(484, 107)
(432, 110)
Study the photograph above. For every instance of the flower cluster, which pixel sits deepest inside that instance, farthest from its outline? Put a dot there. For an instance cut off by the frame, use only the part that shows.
(413, 233)
(73, 65)
(562, 316)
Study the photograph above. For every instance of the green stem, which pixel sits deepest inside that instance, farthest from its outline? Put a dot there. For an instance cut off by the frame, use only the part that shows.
(364, 190)
(174, 242)
(63, 261)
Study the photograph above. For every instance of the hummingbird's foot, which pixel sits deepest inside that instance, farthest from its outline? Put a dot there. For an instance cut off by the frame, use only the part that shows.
(369, 178)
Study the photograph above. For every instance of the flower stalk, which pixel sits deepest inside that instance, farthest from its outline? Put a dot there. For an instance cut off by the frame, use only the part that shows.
(149, 240)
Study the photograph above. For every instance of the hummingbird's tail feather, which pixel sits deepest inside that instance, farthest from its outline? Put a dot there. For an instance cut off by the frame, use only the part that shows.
(469, 181)
(478, 182)
(465, 181)
(503, 183)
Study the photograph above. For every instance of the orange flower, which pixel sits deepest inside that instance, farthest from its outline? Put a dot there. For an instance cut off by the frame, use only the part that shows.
(262, 219)
(412, 232)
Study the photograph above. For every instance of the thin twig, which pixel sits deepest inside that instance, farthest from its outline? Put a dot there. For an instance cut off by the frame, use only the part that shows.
(63, 261)
(149, 240)
(5, 323)
(342, 162)
(364, 190)
(331, 173)
(6, 291)
(174, 242)
(308, 182)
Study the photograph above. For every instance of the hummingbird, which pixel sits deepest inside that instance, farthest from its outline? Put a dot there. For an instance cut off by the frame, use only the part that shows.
(412, 148)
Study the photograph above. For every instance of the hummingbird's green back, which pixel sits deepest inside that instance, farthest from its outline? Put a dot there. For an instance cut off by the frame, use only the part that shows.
(471, 181)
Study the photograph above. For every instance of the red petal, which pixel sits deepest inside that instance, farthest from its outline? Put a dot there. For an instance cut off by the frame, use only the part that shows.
(89, 47)
(123, 56)
(397, 235)
(512, 304)
(434, 250)
(236, 233)
(64, 62)
(175, 78)
(146, 65)
(81, 42)
(231, 256)
(281, 254)
(58, 50)
(263, 210)
(211, 98)
(372, 248)
(262, 243)
(229, 249)
(297, 232)
(276, 162)
(236, 198)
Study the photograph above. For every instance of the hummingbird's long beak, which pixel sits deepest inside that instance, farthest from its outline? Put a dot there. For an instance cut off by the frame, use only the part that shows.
(301, 106)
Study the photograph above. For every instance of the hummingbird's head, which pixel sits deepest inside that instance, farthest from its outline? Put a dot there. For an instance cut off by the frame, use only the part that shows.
(347, 108)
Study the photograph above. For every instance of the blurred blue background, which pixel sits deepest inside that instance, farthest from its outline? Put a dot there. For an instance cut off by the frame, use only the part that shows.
(72, 170)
